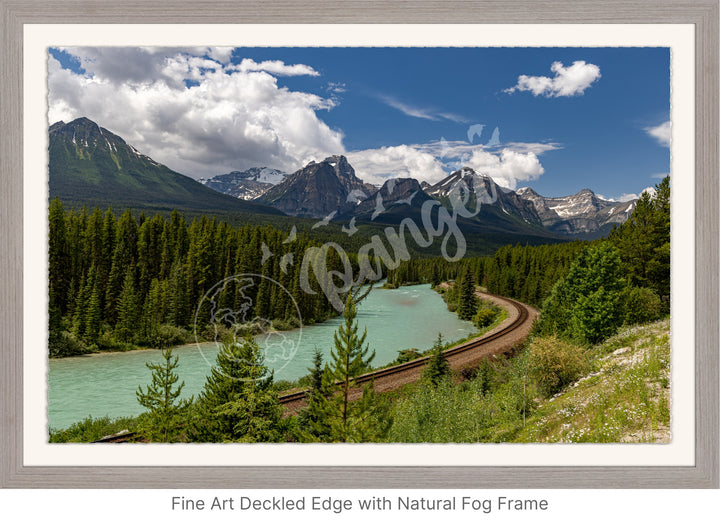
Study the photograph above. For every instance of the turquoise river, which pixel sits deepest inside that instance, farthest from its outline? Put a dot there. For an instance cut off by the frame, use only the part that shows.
(105, 384)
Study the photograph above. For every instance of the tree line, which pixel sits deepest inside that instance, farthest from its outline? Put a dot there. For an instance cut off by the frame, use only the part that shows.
(526, 273)
(114, 281)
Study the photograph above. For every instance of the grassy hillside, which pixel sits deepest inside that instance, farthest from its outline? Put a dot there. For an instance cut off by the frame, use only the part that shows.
(625, 398)
(618, 391)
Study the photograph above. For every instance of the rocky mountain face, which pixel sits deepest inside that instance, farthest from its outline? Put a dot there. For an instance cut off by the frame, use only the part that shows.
(398, 195)
(480, 190)
(89, 165)
(318, 189)
(583, 214)
(247, 185)
(331, 186)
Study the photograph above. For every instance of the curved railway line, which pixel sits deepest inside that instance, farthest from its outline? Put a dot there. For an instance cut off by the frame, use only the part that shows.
(500, 340)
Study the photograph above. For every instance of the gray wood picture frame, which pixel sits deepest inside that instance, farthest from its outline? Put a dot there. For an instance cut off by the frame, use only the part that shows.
(702, 13)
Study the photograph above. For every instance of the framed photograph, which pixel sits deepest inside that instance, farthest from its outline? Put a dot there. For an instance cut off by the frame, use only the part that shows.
(337, 246)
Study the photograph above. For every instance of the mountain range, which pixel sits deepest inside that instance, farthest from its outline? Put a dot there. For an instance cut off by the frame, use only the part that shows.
(89, 165)
(582, 213)
(331, 186)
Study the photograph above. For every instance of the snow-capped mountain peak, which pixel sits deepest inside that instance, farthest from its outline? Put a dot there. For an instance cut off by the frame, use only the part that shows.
(248, 184)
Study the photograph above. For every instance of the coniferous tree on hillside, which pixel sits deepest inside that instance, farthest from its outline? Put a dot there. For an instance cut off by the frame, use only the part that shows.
(238, 402)
(644, 242)
(467, 300)
(437, 368)
(167, 414)
(585, 305)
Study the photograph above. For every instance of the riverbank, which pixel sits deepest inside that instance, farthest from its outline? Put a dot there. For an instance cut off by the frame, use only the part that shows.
(105, 383)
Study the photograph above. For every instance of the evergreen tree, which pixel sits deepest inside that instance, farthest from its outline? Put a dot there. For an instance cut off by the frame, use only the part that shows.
(437, 368)
(313, 420)
(124, 255)
(58, 264)
(585, 305)
(644, 242)
(128, 308)
(93, 314)
(166, 412)
(238, 402)
(351, 357)
(467, 300)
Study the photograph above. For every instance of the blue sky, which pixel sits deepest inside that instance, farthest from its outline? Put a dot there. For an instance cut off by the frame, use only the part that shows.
(562, 119)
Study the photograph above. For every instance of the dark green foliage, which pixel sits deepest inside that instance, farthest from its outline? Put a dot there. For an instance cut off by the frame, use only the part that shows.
(486, 315)
(526, 273)
(114, 282)
(466, 300)
(128, 308)
(332, 416)
(644, 242)
(555, 364)
(585, 305)
(64, 344)
(92, 429)
(407, 355)
(350, 358)
(641, 305)
(314, 420)
(438, 368)
(166, 413)
(238, 402)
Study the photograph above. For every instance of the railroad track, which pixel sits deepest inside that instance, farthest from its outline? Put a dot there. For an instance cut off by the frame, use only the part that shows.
(523, 315)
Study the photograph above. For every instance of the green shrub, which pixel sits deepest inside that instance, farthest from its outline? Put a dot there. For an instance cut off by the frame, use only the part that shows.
(285, 324)
(90, 429)
(641, 305)
(554, 364)
(407, 355)
(485, 317)
(66, 344)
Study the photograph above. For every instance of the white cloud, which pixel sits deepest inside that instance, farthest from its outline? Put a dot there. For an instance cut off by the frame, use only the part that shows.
(661, 133)
(336, 87)
(659, 175)
(567, 82)
(191, 112)
(418, 112)
(141, 64)
(462, 150)
(508, 167)
(220, 54)
(625, 197)
(276, 67)
(377, 165)
(433, 161)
